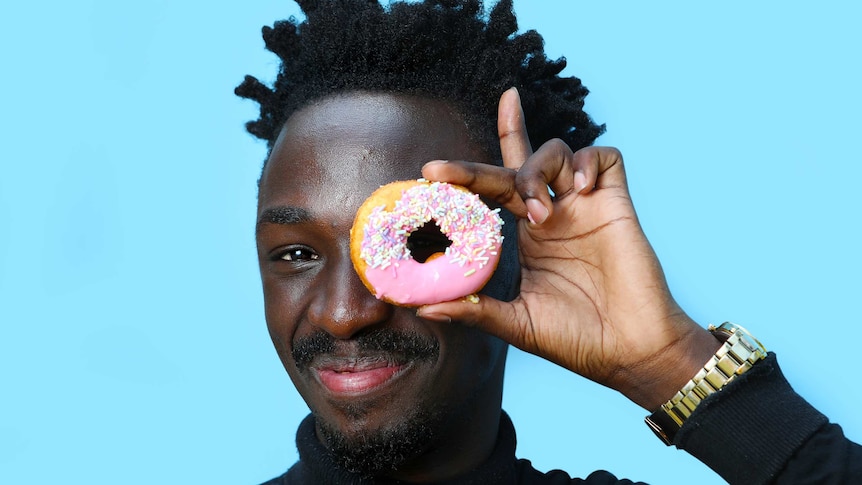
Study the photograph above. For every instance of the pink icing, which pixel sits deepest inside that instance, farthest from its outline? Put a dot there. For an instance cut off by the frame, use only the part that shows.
(415, 283)
(473, 228)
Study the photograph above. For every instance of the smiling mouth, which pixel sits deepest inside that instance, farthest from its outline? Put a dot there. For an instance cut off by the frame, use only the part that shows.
(354, 376)
(365, 364)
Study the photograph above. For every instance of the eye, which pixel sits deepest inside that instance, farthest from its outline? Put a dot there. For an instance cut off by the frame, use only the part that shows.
(298, 253)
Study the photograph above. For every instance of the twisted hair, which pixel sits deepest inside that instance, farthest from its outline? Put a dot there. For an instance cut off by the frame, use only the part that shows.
(443, 49)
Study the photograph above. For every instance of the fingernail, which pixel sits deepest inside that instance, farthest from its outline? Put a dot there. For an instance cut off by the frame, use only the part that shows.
(436, 162)
(434, 317)
(580, 181)
(536, 212)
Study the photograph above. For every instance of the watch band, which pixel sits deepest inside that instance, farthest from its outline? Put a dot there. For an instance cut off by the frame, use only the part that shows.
(739, 352)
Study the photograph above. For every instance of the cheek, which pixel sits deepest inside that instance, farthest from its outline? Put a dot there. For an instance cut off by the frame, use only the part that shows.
(284, 305)
(285, 302)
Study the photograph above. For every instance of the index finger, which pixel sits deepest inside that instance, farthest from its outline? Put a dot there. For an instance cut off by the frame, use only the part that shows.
(512, 130)
(489, 181)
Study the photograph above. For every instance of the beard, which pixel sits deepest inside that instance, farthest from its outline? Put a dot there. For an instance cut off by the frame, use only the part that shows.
(373, 453)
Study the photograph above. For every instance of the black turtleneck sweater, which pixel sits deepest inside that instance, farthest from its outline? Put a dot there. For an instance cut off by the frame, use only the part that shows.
(756, 430)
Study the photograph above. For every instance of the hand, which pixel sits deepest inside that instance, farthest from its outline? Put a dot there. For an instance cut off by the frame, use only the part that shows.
(593, 297)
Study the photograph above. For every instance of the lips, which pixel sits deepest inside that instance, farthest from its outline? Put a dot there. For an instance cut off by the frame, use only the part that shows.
(352, 376)
(365, 364)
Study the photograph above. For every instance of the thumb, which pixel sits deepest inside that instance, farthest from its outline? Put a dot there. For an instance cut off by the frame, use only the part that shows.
(492, 316)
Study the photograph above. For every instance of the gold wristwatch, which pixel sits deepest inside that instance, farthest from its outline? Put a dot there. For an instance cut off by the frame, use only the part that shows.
(739, 352)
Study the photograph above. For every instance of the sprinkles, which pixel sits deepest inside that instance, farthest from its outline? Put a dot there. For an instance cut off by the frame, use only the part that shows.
(473, 228)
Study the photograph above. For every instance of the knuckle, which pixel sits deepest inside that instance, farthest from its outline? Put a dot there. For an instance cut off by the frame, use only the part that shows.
(614, 153)
(508, 131)
(511, 192)
(607, 152)
(530, 185)
(557, 148)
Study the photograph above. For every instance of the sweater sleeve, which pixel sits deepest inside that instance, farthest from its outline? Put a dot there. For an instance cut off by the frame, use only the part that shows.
(759, 430)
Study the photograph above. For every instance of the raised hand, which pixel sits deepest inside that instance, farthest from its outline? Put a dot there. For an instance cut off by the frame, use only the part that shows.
(593, 297)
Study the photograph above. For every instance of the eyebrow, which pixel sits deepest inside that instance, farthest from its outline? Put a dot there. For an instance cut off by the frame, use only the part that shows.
(283, 215)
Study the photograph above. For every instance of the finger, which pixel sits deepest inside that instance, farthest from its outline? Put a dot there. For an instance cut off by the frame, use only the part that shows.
(566, 173)
(549, 166)
(512, 130)
(492, 316)
(489, 181)
(598, 168)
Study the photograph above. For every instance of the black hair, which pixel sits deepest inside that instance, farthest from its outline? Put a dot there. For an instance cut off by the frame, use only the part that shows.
(443, 49)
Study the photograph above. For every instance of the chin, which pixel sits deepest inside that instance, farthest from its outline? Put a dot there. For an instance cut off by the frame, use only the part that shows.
(374, 451)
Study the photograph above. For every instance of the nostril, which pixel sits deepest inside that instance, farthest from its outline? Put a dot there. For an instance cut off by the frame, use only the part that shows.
(427, 241)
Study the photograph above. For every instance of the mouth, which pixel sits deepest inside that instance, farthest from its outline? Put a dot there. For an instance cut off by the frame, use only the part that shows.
(353, 376)
(364, 365)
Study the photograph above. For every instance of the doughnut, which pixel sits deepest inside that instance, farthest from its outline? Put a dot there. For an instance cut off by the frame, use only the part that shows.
(417, 242)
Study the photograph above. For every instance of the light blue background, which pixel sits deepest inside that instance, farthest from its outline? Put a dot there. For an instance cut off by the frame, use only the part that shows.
(132, 339)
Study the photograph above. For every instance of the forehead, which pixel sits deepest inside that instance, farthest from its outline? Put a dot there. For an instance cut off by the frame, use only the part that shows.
(332, 154)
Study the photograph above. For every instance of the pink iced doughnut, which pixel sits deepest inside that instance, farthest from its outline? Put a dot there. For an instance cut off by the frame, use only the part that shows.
(387, 219)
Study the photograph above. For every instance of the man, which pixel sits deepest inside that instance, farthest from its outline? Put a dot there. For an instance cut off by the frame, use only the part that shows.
(367, 95)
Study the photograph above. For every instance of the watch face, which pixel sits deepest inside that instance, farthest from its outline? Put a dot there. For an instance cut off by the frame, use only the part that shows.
(726, 329)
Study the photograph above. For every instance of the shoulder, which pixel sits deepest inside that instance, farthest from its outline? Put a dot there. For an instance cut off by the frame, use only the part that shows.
(529, 475)
(296, 475)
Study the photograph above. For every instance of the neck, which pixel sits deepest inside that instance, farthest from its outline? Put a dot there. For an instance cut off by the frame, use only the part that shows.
(468, 439)
(457, 455)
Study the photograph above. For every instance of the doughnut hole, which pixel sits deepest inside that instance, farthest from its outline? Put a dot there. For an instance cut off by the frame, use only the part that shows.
(427, 241)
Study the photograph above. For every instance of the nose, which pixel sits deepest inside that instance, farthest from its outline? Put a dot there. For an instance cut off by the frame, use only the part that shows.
(345, 307)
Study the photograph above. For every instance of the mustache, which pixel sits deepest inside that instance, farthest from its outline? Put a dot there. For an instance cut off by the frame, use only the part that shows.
(405, 344)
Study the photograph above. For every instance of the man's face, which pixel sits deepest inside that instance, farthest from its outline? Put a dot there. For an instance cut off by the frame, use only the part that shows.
(368, 370)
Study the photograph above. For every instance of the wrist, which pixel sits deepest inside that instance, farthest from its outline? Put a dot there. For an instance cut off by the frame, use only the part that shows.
(738, 353)
(663, 375)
